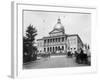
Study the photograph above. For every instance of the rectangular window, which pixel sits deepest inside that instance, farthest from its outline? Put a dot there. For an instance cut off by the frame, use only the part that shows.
(48, 40)
(44, 41)
(44, 49)
(62, 39)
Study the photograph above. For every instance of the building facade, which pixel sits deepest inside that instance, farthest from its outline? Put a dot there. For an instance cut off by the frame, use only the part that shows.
(59, 42)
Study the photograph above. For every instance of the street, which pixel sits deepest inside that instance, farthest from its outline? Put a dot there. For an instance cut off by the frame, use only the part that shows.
(53, 62)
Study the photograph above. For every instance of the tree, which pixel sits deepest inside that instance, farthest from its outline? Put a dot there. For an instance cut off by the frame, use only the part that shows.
(29, 50)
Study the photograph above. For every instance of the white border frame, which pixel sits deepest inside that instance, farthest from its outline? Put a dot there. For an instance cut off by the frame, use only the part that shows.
(17, 33)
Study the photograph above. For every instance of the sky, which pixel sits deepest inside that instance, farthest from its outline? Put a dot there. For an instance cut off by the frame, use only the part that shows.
(44, 22)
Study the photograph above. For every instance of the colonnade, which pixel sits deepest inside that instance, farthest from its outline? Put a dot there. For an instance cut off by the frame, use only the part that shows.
(54, 48)
(53, 40)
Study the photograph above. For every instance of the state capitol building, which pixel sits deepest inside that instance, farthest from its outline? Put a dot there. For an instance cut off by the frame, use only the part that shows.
(59, 42)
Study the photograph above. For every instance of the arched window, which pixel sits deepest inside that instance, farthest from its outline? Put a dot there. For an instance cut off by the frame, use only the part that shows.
(48, 40)
(48, 49)
(44, 49)
(44, 41)
(53, 49)
(62, 39)
(62, 47)
(56, 48)
(53, 40)
(56, 39)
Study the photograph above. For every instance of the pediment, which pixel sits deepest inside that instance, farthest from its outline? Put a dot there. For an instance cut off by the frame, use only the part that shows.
(54, 31)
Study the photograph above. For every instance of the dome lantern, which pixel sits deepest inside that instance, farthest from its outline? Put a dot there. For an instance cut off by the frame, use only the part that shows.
(59, 25)
(59, 20)
(58, 28)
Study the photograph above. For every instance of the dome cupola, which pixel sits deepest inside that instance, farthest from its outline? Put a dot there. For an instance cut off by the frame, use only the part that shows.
(58, 25)
(58, 29)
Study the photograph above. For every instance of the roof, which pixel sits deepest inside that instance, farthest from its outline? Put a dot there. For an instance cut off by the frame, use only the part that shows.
(39, 39)
(76, 35)
(65, 35)
(54, 36)
(57, 31)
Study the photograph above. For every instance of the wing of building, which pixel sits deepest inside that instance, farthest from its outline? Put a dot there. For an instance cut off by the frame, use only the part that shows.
(59, 42)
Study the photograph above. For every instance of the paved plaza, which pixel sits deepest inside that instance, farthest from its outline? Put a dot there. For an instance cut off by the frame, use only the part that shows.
(53, 62)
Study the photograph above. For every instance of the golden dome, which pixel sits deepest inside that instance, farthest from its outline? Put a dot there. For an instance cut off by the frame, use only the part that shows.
(59, 26)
